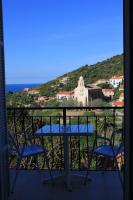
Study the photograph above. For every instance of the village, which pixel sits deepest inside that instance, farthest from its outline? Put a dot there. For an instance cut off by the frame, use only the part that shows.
(110, 91)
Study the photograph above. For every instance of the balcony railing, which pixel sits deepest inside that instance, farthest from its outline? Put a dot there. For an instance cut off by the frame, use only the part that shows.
(104, 120)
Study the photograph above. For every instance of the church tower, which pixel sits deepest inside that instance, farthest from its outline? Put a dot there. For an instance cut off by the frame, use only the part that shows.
(81, 92)
(84, 95)
(81, 82)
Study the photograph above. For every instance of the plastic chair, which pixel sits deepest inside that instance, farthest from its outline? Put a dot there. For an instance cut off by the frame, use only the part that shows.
(28, 149)
(111, 148)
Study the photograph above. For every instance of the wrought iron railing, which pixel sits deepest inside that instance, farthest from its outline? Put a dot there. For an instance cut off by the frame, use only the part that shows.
(104, 119)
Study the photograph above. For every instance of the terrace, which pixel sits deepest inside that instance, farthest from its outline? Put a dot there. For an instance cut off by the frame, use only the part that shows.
(102, 187)
(28, 183)
(105, 181)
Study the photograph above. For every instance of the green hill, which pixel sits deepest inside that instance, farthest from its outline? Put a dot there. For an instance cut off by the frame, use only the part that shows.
(91, 73)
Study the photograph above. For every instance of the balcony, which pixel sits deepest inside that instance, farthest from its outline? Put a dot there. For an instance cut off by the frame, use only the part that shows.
(105, 182)
(103, 186)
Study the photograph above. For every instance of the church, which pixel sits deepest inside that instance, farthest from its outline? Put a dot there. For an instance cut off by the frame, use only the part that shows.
(84, 95)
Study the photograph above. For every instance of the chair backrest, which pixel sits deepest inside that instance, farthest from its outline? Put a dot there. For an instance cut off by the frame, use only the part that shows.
(117, 139)
(119, 133)
(19, 139)
(12, 145)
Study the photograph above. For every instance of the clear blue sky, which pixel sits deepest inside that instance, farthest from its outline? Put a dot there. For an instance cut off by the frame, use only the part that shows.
(47, 38)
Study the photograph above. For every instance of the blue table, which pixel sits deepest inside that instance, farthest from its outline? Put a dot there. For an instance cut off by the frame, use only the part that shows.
(66, 131)
(69, 130)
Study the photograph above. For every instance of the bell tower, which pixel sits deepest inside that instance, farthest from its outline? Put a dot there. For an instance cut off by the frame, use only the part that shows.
(81, 82)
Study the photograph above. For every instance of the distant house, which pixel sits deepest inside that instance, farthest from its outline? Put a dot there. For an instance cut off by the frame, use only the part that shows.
(65, 95)
(120, 101)
(28, 105)
(117, 103)
(52, 86)
(115, 81)
(64, 80)
(26, 89)
(33, 92)
(108, 92)
(42, 98)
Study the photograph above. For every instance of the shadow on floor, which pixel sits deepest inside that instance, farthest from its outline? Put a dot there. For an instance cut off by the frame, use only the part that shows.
(102, 187)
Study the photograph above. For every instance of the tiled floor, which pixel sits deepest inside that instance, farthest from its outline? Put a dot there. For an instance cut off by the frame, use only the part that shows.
(102, 187)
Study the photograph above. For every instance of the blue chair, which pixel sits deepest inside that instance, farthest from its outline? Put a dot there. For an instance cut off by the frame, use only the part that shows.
(110, 148)
(28, 149)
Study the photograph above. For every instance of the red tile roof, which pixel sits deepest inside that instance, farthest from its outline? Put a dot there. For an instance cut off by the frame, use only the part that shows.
(66, 92)
(117, 77)
(117, 103)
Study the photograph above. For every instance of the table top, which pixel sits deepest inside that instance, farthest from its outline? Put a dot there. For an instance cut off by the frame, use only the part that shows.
(69, 130)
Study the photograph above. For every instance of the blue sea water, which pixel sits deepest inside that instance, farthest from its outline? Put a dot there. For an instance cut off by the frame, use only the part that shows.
(19, 87)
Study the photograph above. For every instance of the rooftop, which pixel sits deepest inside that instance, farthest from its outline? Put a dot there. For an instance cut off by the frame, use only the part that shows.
(117, 103)
(117, 77)
(66, 92)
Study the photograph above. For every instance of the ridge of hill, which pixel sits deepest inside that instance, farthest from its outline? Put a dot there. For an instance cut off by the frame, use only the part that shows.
(91, 73)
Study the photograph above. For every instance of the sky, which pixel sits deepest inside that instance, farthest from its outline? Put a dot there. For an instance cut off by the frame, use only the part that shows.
(47, 38)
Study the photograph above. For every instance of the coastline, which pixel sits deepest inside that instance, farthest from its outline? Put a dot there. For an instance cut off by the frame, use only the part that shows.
(20, 87)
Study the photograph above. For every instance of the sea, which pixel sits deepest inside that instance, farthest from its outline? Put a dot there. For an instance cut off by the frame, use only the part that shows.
(20, 87)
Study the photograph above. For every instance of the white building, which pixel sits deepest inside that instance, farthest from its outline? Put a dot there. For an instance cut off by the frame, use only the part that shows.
(33, 92)
(115, 81)
(85, 94)
(64, 79)
(43, 98)
(65, 95)
(82, 94)
(26, 89)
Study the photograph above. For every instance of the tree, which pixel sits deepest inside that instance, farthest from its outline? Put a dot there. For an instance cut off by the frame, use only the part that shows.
(105, 86)
(51, 103)
(67, 102)
(99, 103)
(117, 93)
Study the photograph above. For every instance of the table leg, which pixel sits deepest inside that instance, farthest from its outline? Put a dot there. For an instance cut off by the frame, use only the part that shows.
(67, 176)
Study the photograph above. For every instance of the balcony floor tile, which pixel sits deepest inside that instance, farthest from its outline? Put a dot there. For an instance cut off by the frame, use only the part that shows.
(102, 187)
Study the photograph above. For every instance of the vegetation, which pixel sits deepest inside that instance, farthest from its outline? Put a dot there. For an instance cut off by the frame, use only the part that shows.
(35, 119)
(91, 73)
(105, 86)
(99, 103)
(117, 93)
(103, 124)
(20, 99)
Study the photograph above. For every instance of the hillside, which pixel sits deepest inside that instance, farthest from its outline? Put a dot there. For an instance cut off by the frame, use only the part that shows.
(91, 73)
